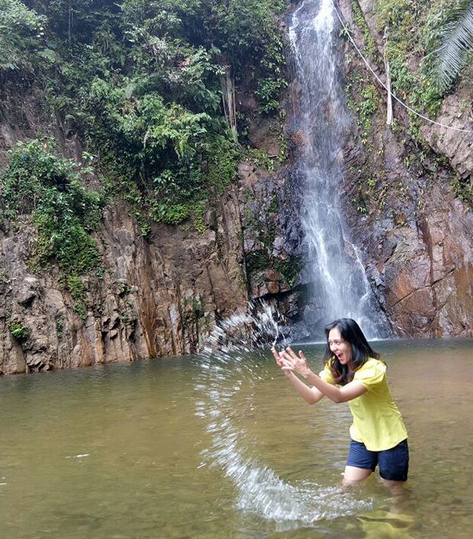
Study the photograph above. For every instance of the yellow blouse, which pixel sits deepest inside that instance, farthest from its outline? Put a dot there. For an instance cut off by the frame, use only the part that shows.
(377, 421)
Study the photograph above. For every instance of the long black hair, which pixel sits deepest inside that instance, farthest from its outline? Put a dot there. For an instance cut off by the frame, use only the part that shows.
(361, 351)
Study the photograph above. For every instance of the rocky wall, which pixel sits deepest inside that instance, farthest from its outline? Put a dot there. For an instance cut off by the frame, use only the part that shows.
(414, 229)
(155, 297)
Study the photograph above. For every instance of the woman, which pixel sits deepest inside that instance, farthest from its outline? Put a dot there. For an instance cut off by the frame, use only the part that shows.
(353, 373)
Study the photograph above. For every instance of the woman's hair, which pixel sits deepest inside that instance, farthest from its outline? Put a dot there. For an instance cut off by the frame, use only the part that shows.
(361, 351)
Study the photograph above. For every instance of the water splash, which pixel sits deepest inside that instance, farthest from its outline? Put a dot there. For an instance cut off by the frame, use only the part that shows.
(340, 287)
(261, 491)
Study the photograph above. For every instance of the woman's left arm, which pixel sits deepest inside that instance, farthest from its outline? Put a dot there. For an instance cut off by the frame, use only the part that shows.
(299, 364)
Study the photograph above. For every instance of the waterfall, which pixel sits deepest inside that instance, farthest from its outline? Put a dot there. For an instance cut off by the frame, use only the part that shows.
(338, 283)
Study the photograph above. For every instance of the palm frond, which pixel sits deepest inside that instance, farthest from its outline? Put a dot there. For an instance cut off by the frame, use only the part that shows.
(457, 45)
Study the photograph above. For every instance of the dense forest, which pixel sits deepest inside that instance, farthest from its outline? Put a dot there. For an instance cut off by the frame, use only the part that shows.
(148, 88)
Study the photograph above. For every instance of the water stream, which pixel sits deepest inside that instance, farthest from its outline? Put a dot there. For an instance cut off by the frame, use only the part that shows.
(339, 284)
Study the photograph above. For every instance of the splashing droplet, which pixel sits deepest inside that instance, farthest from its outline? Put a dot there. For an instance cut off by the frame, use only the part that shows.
(260, 489)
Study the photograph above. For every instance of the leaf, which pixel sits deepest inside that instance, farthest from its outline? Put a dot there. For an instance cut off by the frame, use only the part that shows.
(457, 44)
(47, 54)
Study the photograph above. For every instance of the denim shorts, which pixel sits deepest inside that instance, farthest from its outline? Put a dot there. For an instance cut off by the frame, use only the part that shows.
(393, 463)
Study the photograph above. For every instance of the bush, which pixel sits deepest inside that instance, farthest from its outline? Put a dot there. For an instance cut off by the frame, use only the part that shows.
(40, 182)
(20, 332)
(21, 34)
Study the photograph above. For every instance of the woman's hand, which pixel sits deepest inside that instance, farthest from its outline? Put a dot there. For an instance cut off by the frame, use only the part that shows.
(290, 362)
(280, 361)
(295, 363)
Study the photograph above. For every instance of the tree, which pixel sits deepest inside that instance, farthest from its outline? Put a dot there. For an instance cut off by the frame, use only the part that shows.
(21, 31)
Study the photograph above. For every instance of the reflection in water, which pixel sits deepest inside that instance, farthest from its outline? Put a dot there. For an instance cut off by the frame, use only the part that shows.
(386, 524)
(144, 477)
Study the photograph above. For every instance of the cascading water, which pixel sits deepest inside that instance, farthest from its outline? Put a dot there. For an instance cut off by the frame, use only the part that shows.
(339, 286)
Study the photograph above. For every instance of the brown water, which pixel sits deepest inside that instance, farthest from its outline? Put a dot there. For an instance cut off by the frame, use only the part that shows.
(118, 452)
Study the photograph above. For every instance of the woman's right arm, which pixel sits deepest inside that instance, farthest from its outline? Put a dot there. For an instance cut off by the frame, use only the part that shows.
(310, 394)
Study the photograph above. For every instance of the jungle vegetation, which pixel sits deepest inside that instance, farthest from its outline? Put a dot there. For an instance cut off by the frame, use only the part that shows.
(146, 90)
(142, 84)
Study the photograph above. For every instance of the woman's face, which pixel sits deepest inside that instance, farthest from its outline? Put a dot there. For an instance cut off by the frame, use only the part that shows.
(339, 347)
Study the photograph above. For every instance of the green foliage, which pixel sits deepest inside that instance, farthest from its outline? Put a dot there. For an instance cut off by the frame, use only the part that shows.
(221, 160)
(171, 214)
(198, 217)
(273, 79)
(21, 35)
(80, 309)
(274, 205)
(40, 182)
(257, 261)
(456, 45)
(19, 331)
(143, 126)
(411, 86)
(411, 27)
(243, 34)
(76, 286)
(290, 269)
(370, 45)
(260, 158)
(368, 105)
(396, 14)
(173, 154)
(75, 22)
(463, 188)
(140, 83)
(363, 101)
(60, 327)
(241, 29)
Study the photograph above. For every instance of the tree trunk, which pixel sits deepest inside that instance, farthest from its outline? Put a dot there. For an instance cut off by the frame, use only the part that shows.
(229, 104)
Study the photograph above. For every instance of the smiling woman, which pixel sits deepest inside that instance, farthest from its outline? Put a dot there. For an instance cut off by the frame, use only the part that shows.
(354, 373)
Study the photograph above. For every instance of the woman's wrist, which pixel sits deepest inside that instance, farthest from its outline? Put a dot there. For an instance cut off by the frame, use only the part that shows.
(306, 373)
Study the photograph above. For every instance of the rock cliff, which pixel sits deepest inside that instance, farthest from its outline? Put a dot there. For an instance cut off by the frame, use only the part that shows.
(156, 297)
(411, 222)
(162, 295)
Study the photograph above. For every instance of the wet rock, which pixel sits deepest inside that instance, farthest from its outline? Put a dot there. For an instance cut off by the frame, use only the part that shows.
(455, 144)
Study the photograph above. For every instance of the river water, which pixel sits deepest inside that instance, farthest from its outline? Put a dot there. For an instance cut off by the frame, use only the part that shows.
(129, 451)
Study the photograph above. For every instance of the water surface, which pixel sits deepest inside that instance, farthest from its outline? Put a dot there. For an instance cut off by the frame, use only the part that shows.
(118, 451)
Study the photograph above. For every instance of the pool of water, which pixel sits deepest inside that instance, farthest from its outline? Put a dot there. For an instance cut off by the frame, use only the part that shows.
(166, 449)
